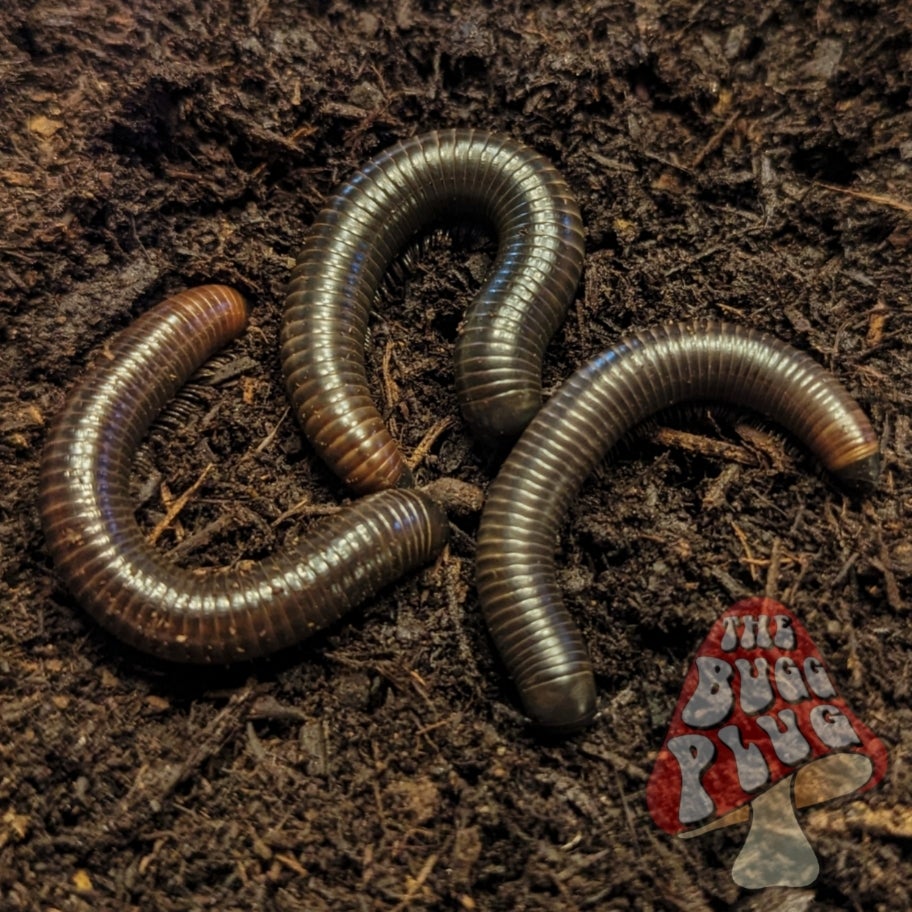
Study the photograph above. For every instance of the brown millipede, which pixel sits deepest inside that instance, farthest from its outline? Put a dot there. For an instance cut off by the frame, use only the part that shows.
(540, 644)
(135, 592)
(403, 191)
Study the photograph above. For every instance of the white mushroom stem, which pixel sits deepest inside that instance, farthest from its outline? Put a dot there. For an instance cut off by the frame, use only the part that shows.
(776, 851)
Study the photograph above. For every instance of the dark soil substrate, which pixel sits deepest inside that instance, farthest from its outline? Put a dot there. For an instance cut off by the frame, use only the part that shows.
(738, 160)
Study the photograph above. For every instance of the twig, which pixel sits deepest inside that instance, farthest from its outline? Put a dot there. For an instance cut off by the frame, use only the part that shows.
(772, 573)
(429, 439)
(306, 508)
(416, 883)
(175, 508)
(714, 141)
(267, 440)
(704, 446)
(879, 198)
(745, 544)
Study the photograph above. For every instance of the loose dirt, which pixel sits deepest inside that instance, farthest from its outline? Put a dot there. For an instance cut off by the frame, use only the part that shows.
(734, 160)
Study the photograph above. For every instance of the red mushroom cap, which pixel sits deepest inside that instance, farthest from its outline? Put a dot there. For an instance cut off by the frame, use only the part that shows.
(758, 704)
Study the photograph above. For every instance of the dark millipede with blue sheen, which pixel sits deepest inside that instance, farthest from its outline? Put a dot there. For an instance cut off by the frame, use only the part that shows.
(130, 588)
(539, 642)
(404, 191)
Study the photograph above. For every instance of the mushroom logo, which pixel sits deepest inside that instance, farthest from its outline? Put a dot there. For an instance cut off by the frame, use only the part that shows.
(760, 731)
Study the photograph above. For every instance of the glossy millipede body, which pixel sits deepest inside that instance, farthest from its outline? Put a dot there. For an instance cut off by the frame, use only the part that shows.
(540, 644)
(134, 591)
(409, 188)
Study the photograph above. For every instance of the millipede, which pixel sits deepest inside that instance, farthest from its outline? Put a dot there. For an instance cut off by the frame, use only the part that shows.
(538, 640)
(134, 591)
(414, 186)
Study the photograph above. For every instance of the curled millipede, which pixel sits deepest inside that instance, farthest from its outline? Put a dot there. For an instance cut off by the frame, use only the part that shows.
(131, 589)
(412, 187)
(538, 641)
